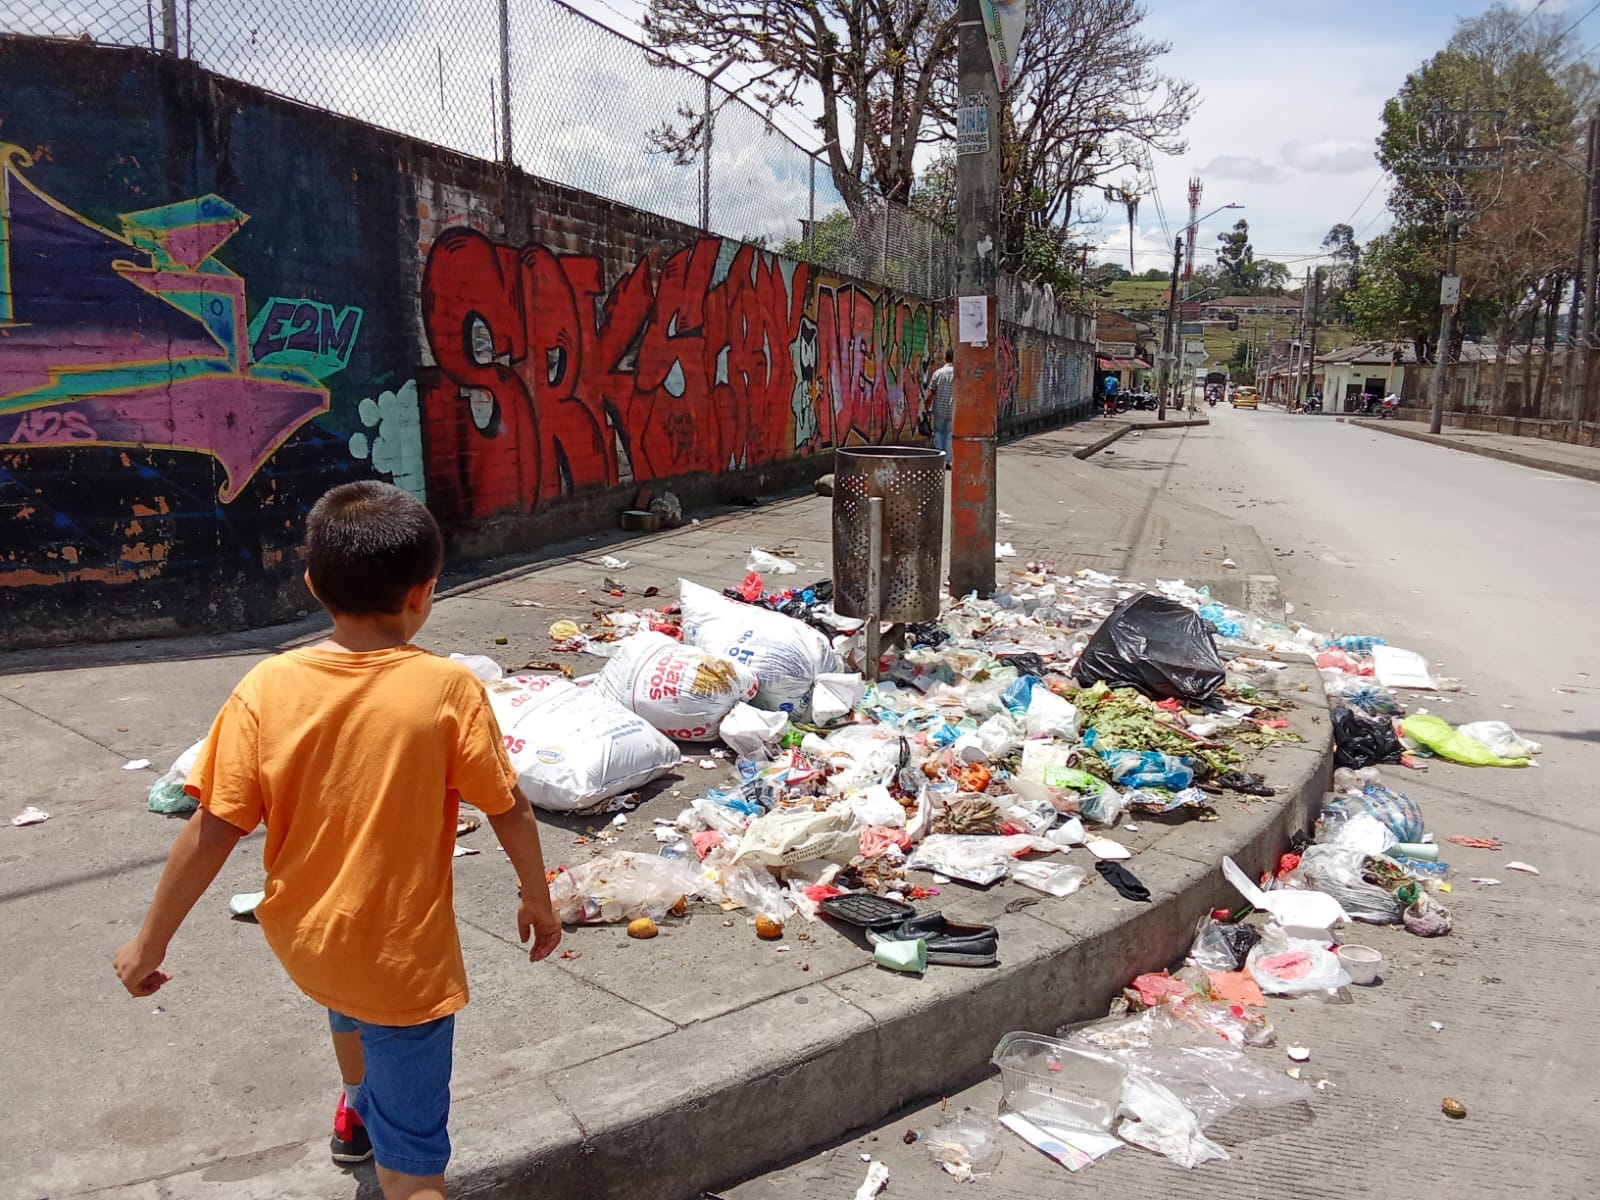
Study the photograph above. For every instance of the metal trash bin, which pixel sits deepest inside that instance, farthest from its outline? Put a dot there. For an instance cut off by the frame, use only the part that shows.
(909, 482)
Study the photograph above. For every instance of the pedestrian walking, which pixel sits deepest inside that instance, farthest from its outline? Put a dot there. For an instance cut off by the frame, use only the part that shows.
(941, 403)
(354, 753)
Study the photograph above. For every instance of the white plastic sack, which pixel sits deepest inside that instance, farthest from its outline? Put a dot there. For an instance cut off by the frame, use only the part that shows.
(836, 695)
(481, 665)
(1000, 735)
(748, 730)
(683, 691)
(1501, 739)
(575, 746)
(976, 858)
(786, 655)
(800, 834)
(1289, 966)
(875, 806)
(769, 564)
(1049, 715)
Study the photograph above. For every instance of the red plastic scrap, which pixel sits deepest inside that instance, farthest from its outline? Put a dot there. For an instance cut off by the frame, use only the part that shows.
(1156, 986)
(1475, 843)
(1286, 864)
(705, 841)
(752, 587)
(1171, 704)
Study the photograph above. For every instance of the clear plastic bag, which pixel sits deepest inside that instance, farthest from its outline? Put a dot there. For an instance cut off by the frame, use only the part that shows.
(1337, 870)
(620, 887)
(1395, 809)
(966, 1143)
(1219, 947)
(1501, 739)
(166, 794)
(1287, 966)
(1157, 1120)
(975, 858)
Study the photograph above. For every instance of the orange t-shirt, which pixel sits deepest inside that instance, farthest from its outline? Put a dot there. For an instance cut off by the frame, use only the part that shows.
(355, 763)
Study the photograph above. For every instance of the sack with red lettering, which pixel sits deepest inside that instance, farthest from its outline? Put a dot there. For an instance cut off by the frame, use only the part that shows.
(680, 689)
(574, 747)
(787, 655)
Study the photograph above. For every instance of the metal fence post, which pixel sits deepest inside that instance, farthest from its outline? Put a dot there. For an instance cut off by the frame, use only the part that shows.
(505, 82)
(811, 212)
(888, 215)
(705, 160)
(169, 27)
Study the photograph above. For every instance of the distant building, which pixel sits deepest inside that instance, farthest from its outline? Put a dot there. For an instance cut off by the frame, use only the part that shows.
(1230, 308)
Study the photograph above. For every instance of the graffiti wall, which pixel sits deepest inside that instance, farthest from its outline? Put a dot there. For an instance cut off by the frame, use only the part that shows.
(214, 305)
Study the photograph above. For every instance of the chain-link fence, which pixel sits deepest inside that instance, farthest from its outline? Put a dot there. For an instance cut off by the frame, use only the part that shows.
(585, 106)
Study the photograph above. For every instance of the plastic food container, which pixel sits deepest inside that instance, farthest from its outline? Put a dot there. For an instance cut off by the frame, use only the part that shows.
(1361, 962)
(1057, 1083)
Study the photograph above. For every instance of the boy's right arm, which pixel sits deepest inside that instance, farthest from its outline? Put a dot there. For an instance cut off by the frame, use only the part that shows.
(197, 855)
(518, 832)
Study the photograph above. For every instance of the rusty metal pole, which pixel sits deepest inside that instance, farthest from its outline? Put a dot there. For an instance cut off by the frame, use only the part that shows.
(972, 475)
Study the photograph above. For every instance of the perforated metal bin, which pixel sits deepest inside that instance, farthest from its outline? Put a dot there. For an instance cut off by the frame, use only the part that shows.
(910, 482)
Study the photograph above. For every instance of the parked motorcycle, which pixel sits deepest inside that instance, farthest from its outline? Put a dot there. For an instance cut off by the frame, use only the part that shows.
(1313, 404)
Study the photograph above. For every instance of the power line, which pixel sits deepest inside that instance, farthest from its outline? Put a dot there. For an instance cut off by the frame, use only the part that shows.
(1351, 220)
(1589, 12)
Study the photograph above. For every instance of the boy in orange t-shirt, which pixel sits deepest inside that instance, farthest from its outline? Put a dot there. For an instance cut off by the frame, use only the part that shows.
(354, 753)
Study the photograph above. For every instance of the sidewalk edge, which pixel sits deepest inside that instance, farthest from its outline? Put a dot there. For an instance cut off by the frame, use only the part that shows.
(1589, 474)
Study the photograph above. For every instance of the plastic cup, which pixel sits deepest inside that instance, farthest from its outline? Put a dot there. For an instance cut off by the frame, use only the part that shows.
(1361, 962)
(911, 957)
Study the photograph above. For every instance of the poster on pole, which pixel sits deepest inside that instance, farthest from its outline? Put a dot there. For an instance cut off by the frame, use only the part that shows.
(1003, 22)
(972, 320)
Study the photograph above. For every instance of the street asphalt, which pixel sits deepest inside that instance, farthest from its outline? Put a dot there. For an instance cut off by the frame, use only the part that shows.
(1489, 570)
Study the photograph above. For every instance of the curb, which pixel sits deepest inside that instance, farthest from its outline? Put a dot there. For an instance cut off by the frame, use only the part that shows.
(1095, 447)
(737, 1095)
(1590, 474)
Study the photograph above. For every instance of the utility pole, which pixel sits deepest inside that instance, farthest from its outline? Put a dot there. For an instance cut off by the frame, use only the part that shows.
(1311, 355)
(1449, 297)
(972, 473)
(1591, 273)
(1169, 336)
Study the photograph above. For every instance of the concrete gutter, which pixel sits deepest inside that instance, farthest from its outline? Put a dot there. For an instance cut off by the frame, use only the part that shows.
(1591, 474)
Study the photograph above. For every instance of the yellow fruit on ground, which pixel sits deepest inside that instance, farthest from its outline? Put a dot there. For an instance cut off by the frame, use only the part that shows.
(643, 927)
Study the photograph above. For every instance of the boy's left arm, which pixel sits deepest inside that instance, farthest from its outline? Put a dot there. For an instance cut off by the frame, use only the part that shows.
(197, 855)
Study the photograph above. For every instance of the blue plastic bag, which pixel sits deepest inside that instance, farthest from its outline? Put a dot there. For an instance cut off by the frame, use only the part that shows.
(1148, 769)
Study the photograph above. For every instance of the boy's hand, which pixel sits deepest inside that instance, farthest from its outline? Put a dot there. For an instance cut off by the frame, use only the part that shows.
(542, 922)
(139, 969)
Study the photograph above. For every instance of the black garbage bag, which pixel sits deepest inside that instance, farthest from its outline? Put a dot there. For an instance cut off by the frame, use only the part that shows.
(1363, 741)
(1026, 663)
(1156, 645)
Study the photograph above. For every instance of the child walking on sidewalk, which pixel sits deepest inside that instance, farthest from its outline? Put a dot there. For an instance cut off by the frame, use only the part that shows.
(354, 754)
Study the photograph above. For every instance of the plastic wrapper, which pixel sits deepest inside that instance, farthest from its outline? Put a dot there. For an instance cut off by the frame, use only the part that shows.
(1435, 733)
(966, 1143)
(748, 730)
(1395, 809)
(1290, 966)
(1156, 645)
(481, 665)
(1053, 879)
(786, 655)
(1000, 735)
(1363, 741)
(166, 794)
(835, 696)
(1049, 715)
(683, 691)
(1221, 947)
(1155, 1119)
(572, 746)
(1361, 832)
(744, 884)
(1159, 803)
(1338, 871)
(621, 887)
(861, 755)
(973, 858)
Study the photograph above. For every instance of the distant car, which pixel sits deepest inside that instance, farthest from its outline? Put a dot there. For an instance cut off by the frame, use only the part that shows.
(1247, 397)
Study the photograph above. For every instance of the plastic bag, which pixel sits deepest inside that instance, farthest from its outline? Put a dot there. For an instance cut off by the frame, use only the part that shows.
(1045, 774)
(1157, 1120)
(769, 564)
(1435, 733)
(1219, 947)
(746, 885)
(1337, 871)
(166, 794)
(975, 858)
(683, 691)
(786, 655)
(965, 1143)
(835, 695)
(1000, 735)
(1053, 879)
(1148, 768)
(481, 665)
(799, 834)
(1156, 645)
(875, 806)
(1397, 668)
(1288, 966)
(1501, 739)
(748, 730)
(1395, 809)
(575, 746)
(1049, 715)
(1363, 741)
(621, 887)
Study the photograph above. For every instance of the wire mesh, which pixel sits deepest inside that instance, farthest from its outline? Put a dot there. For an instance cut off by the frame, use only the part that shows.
(589, 108)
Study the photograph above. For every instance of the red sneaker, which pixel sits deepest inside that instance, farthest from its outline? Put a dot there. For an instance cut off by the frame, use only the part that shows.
(349, 1143)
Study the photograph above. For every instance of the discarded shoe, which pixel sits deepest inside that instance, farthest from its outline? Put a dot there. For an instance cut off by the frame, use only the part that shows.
(949, 944)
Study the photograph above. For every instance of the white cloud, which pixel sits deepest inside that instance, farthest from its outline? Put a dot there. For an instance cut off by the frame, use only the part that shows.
(1333, 155)
(1247, 170)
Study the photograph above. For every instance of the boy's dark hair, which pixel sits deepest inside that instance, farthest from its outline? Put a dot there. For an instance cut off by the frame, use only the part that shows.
(949, 356)
(367, 545)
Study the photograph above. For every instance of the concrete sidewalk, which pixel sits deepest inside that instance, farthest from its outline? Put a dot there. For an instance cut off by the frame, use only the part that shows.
(1563, 458)
(649, 1069)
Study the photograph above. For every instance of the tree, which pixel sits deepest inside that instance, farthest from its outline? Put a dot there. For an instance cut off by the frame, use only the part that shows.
(1343, 273)
(1156, 275)
(1104, 273)
(1397, 296)
(1235, 256)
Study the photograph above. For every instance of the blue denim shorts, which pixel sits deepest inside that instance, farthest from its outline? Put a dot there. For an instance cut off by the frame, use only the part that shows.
(405, 1099)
